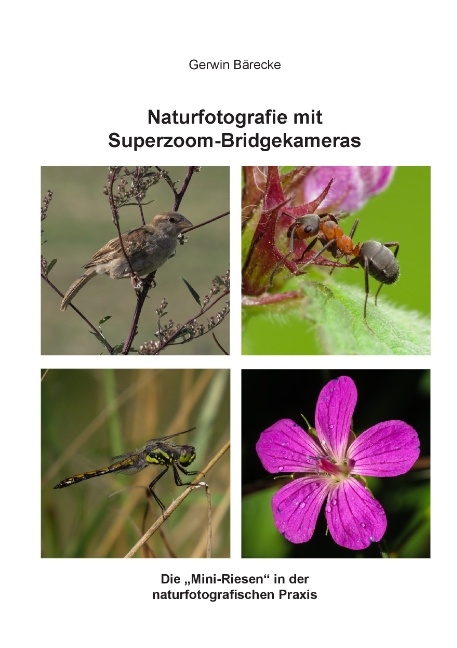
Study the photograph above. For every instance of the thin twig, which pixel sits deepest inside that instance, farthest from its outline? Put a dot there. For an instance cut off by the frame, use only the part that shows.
(209, 541)
(194, 227)
(179, 195)
(116, 222)
(166, 514)
(136, 178)
(219, 344)
(172, 338)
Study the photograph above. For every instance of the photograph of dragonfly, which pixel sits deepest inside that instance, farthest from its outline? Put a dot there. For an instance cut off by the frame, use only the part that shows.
(155, 452)
(180, 507)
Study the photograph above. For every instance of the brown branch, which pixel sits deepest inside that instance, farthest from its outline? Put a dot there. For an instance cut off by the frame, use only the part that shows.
(149, 280)
(194, 227)
(172, 339)
(179, 195)
(166, 514)
(218, 344)
(141, 298)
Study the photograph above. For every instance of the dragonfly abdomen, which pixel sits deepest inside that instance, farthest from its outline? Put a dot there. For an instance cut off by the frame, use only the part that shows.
(78, 478)
(118, 466)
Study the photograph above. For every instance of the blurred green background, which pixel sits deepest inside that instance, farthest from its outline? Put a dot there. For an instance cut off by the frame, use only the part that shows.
(89, 416)
(399, 214)
(383, 395)
(79, 223)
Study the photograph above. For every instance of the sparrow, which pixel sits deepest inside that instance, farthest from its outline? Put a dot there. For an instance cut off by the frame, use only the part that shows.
(148, 247)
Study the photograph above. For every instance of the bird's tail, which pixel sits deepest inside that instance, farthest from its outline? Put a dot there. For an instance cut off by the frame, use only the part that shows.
(76, 287)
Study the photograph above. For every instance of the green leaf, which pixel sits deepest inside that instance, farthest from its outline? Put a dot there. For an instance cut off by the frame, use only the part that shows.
(193, 292)
(260, 537)
(101, 339)
(327, 318)
(104, 319)
(50, 266)
(117, 348)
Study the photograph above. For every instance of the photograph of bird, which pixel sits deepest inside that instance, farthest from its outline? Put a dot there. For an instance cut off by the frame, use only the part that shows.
(147, 248)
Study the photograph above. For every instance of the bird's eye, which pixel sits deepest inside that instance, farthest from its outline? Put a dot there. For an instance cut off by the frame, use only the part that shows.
(172, 219)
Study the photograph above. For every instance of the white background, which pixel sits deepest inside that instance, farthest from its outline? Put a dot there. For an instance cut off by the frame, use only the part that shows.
(75, 73)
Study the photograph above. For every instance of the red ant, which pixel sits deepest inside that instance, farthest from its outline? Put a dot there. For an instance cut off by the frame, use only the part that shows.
(377, 260)
(325, 229)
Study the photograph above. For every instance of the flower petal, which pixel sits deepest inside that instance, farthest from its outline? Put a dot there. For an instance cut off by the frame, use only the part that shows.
(351, 188)
(334, 410)
(385, 450)
(354, 517)
(297, 505)
(286, 447)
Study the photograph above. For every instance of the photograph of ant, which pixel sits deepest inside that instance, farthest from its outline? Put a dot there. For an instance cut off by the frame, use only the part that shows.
(376, 259)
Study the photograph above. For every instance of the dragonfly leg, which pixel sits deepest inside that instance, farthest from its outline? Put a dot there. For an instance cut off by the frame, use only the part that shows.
(153, 483)
(178, 480)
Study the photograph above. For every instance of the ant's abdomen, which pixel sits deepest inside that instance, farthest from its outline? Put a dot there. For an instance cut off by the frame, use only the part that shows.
(382, 263)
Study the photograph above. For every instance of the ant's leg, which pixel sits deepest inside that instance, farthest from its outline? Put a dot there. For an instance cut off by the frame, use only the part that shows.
(367, 292)
(291, 249)
(292, 234)
(324, 247)
(308, 247)
(354, 227)
(395, 245)
(377, 293)
(387, 245)
(277, 266)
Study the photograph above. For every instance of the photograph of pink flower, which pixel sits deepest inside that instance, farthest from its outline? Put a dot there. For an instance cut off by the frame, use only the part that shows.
(354, 517)
(329, 479)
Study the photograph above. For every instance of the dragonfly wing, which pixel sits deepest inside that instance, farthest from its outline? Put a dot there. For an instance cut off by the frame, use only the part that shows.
(132, 469)
(129, 463)
(169, 436)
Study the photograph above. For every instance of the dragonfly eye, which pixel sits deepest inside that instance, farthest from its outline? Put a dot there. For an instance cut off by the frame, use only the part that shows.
(187, 455)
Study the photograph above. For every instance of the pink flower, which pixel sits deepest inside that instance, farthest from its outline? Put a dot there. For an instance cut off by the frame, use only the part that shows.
(351, 187)
(334, 462)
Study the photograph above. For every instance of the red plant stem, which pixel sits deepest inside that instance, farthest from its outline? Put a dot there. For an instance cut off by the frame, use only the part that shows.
(147, 282)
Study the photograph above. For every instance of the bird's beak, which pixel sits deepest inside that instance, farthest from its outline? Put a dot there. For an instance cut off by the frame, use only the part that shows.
(185, 225)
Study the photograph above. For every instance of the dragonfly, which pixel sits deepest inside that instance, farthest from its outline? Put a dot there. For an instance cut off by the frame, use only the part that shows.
(160, 452)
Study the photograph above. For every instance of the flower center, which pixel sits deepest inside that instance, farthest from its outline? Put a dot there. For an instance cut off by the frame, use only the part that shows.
(337, 470)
